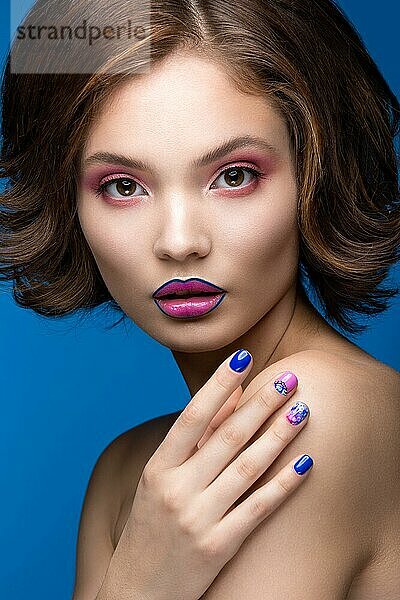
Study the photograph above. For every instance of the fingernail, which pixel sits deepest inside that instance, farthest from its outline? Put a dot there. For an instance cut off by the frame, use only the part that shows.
(285, 383)
(240, 360)
(303, 464)
(297, 413)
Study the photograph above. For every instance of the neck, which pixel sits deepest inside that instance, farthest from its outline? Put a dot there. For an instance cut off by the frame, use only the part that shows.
(290, 326)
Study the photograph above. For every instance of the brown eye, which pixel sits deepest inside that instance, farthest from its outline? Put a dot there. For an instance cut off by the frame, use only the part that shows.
(235, 176)
(125, 187)
(121, 187)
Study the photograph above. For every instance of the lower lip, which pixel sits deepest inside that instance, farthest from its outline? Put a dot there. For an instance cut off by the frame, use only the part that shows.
(192, 306)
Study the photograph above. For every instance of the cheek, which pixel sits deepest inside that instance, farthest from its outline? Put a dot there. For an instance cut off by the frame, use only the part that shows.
(110, 243)
(267, 234)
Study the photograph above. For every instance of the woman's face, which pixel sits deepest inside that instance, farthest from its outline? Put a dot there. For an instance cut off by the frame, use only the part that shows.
(179, 217)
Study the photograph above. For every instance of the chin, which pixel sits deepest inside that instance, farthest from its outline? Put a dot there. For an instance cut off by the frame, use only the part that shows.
(192, 337)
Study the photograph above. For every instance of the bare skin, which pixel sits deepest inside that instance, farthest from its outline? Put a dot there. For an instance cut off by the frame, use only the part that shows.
(176, 223)
(371, 569)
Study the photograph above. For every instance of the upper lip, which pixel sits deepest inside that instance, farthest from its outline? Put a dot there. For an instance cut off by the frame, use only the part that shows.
(189, 287)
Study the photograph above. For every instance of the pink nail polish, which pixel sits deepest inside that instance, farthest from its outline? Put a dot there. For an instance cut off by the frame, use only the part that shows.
(285, 383)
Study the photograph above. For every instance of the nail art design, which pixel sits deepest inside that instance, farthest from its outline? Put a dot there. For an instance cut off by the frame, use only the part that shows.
(297, 413)
(285, 383)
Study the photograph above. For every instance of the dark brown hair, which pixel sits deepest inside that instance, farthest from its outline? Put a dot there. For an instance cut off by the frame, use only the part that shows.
(303, 55)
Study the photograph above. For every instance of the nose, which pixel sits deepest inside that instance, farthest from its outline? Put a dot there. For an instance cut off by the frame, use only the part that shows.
(182, 232)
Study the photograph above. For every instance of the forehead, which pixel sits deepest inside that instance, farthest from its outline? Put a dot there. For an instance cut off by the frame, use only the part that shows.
(185, 101)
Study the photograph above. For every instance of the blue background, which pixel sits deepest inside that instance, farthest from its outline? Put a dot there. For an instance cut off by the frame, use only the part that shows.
(69, 388)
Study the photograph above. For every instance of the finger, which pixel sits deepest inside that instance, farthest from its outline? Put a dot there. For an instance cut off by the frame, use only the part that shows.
(255, 460)
(256, 383)
(223, 413)
(181, 439)
(230, 437)
(237, 525)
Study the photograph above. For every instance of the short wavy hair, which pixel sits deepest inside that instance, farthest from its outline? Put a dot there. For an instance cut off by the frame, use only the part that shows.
(341, 115)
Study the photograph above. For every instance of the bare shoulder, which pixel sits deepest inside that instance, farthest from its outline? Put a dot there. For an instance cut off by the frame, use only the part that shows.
(133, 450)
(111, 485)
(354, 489)
(344, 515)
(355, 402)
(376, 389)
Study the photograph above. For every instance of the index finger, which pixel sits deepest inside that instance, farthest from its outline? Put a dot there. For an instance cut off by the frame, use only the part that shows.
(181, 440)
(224, 412)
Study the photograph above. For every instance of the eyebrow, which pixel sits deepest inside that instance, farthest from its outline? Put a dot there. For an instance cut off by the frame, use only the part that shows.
(207, 158)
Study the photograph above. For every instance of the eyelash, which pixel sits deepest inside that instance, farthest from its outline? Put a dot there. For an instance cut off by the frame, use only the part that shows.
(100, 190)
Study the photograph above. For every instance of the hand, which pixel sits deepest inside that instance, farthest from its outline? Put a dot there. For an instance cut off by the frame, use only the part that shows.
(180, 531)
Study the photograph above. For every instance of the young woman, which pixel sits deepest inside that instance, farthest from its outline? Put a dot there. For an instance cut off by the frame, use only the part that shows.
(231, 154)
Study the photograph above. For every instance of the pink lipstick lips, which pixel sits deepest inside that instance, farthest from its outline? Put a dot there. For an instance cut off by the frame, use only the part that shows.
(186, 299)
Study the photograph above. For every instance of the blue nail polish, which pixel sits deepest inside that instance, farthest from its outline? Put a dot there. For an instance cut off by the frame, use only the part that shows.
(303, 464)
(240, 360)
